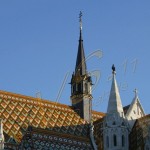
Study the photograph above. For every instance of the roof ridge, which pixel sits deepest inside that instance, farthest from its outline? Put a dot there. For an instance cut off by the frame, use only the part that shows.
(32, 98)
(16, 95)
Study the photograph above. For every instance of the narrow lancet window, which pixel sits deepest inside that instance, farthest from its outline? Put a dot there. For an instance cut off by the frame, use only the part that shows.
(86, 88)
(107, 142)
(115, 140)
(123, 141)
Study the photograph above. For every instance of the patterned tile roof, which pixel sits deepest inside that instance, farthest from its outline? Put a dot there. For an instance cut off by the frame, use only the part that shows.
(143, 122)
(19, 111)
(140, 133)
(43, 140)
(98, 133)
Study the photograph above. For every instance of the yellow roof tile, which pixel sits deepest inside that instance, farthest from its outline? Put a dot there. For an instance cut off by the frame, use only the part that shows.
(19, 111)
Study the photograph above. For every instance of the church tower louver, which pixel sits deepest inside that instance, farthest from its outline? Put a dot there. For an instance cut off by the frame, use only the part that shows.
(81, 83)
(115, 128)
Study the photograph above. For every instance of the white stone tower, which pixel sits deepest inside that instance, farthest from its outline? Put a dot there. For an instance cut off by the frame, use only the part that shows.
(115, 131)
(1, 136)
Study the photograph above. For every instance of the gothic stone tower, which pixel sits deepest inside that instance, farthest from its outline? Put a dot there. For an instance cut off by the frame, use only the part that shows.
(81, 83)
(115, 128)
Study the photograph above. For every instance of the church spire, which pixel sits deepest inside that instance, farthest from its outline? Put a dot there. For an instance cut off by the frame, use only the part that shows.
(115, 129)
(81, 83)
(114, 104)
(80, 62)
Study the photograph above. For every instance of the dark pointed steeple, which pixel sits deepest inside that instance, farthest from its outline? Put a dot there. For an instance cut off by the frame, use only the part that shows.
(81, 83)
(80, 62)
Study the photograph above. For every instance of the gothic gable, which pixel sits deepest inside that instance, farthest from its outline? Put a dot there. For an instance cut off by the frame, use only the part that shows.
(134, 111)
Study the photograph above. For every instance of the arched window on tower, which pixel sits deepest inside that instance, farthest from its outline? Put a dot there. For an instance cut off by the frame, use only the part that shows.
(74, 88)
(79, 87)
(123, 141)
(115, 140)
(114, 123)
(86, 88)
(107, 142)
(123, 124)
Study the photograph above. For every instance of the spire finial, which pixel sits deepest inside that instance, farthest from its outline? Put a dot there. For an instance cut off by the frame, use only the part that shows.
(80, 20)
(113, 69)
(136, 92)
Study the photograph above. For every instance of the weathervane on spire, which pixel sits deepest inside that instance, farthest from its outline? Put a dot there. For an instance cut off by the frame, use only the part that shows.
(80, 20)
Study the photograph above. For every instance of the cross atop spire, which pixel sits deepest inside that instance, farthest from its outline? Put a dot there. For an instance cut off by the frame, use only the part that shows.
(136, 92)
(80, 20)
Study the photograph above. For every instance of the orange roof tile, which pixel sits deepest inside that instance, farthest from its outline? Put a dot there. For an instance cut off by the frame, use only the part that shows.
(19, 111)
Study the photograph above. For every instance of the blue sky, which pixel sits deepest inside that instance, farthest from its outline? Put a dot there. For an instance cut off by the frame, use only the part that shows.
(39, 40)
